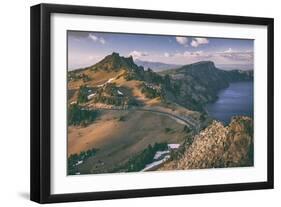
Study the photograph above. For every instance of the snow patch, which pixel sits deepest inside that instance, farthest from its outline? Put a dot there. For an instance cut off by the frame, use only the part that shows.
(91, 95)
(79, 162)
(158, 154)
(109, 81)
(156, 163)
(173, 146)
(119, 92)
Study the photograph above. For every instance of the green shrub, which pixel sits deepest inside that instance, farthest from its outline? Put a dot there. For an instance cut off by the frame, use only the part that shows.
(82, 94)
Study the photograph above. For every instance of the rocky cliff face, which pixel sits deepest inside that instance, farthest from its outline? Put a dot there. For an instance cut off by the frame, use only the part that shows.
(218, 147)
(197, 84)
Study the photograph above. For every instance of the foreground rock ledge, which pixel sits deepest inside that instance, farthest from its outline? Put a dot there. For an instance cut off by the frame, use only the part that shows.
(218, 146)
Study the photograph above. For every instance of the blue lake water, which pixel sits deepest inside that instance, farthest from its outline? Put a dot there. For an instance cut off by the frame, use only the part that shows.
(237, 99)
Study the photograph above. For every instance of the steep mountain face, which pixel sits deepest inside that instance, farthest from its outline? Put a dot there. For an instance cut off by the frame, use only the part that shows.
(199, 83)
(218, 147)
(197, 69)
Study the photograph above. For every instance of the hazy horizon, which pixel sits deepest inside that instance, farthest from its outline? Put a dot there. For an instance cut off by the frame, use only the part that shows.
(220, 66)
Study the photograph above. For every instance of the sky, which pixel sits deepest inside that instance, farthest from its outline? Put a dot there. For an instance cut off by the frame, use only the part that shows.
(87, 48)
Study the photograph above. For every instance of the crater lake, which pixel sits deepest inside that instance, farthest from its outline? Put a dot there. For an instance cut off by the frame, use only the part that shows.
(237, 99)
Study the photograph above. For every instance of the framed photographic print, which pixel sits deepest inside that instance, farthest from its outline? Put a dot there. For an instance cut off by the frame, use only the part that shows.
(132, 103)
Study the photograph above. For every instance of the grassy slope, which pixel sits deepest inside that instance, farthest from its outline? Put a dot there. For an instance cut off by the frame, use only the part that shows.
(118, 140)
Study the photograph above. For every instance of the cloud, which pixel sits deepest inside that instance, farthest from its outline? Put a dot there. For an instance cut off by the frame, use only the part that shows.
(102, 41)
(137, 54)
(240, 56)
(229, 50)
(182, 40)
(228, 56)
(195, 54)
(96, 38)
(93, 37)
(199, 53)
(194, 43)
(166, 54)
(188, 56)
(199, 41)
(184, 54)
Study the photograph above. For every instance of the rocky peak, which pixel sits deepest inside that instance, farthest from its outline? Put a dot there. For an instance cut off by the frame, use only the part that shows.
(115, 54)
(115, 62)
(219, 146)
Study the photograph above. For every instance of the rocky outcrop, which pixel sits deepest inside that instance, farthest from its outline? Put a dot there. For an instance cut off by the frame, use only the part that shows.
(115, 62)
(218, 146)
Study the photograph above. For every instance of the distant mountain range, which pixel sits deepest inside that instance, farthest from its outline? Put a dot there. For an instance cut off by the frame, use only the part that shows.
(235, 66)
(155, 66)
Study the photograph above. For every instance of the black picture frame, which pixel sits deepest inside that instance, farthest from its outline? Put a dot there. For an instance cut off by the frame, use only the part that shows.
(41, 96)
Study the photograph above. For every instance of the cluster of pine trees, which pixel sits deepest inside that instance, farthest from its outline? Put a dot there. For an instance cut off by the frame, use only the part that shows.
(74, 158)
(83, 94)
(80, 116)
(150, 92)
